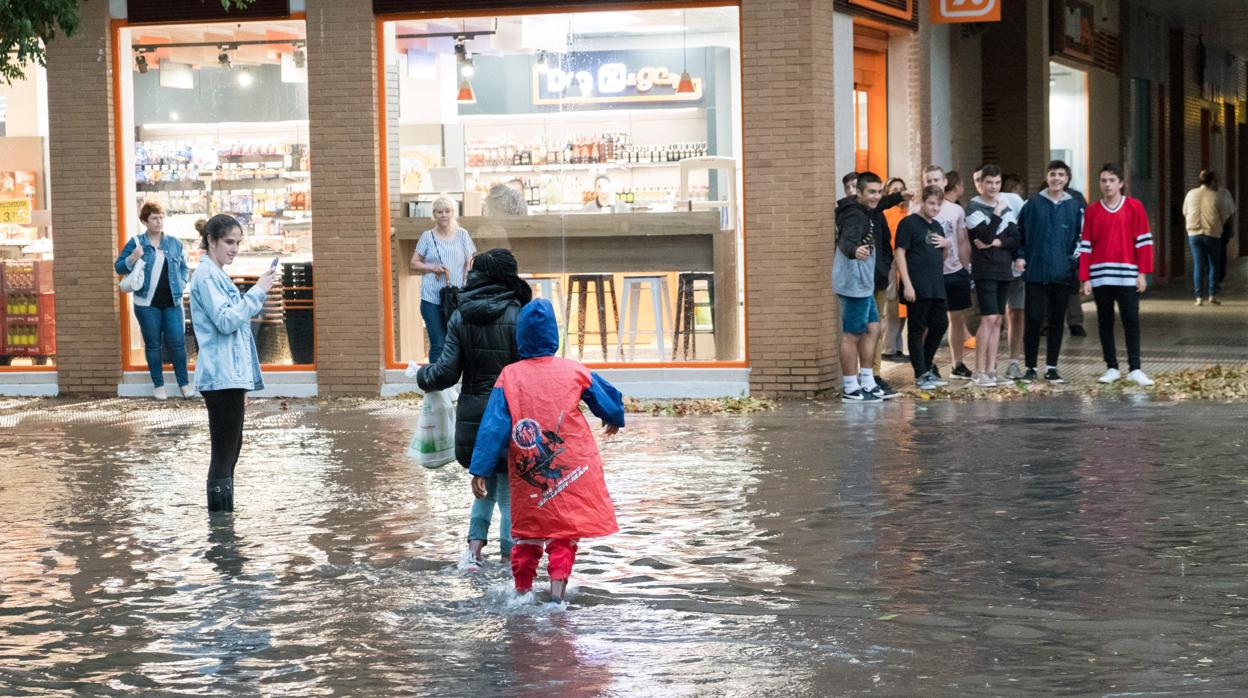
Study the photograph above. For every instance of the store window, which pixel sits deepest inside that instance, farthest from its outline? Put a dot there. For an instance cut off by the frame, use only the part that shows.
(214, 120)
(602, 148)
(27, 296)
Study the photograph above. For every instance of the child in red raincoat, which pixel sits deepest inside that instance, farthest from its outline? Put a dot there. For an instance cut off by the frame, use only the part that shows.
(558, 494)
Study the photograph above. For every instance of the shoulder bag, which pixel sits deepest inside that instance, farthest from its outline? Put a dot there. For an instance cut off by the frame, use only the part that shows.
(133, 281)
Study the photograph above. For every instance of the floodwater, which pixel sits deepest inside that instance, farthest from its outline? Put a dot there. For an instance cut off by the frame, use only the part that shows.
(1059, 547)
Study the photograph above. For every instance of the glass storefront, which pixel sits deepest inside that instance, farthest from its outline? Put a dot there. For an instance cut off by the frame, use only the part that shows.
(602, 148)
(215, 120)
(27, 296)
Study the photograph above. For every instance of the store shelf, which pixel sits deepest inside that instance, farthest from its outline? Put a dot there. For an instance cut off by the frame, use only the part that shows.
(246, 183)
(563, 167)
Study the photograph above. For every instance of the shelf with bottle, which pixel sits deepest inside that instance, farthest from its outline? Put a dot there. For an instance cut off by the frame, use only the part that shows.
(616, 149)
(161, 162)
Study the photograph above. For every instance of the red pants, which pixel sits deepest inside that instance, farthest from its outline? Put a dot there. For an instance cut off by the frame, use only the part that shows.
(525, 555)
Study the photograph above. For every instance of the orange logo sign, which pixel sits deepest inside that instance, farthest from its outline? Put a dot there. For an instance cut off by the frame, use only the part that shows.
(952, 11)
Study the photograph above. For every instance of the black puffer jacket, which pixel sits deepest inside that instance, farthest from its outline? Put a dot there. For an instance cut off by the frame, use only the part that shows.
(480, 341)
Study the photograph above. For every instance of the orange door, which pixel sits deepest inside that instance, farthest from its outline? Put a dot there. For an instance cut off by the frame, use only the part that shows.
(870, 110)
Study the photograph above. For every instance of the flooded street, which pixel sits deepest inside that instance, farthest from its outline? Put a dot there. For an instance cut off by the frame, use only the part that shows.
(995, 548)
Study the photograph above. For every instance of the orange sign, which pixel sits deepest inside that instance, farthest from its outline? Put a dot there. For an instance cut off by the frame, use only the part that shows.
(955, 11)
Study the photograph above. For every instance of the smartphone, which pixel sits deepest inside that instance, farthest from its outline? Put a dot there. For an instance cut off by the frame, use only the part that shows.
(275, 263)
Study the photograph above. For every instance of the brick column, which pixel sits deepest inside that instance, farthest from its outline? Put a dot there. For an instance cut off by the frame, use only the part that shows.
(342, 111)
(83, 205)
(791, 188)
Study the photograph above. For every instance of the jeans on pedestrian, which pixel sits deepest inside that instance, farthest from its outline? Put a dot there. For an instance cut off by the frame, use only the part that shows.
(497, 492)
(163, 327)
(1128, 300)
(1205, 253)
(1045, 305)
(927, 320)
(435, 324)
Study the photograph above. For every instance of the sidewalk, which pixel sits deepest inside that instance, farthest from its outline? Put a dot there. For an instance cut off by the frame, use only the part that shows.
(1175, 335)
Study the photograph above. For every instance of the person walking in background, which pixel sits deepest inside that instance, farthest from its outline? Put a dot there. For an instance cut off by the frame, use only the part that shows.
(990, 223)
(1226, 206)
(158, 303)
(533, 424)
(442, 255)
(1115, 255)
(1049, 230)
(480, 342)
(1204, 230)
(227, 366)
(921, 251)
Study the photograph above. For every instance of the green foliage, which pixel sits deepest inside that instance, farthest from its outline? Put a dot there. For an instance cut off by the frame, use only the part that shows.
(26, 27)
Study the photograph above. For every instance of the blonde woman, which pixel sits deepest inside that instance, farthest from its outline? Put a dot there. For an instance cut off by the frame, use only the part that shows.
(442, 255)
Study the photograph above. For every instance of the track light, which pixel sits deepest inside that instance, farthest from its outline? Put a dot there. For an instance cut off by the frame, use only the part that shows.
(140, 61)
(223, 57)
(300, 58)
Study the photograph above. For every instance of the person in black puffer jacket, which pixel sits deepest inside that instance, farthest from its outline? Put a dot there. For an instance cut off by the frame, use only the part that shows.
(480, 341)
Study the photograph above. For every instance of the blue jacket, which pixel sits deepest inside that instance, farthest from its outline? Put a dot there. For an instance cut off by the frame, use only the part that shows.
(1049, 238)
(537, 335)
(175, 264)
(222, 320)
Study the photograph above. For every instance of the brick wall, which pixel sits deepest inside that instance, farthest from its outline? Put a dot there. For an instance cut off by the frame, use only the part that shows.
(966, 129)
(1014, 98)
(84, 211)
(790, 187)
(342, 111)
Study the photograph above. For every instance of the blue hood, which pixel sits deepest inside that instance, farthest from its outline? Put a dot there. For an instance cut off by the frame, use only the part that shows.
(537, 333)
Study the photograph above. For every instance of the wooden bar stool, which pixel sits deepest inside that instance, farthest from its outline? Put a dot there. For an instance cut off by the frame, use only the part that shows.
(660, 302)
(686, 308)
(578, 285)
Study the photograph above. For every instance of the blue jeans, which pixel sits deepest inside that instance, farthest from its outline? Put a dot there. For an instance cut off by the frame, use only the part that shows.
(163, 327)
(436, 326)
(497, 491)
(1205, 253)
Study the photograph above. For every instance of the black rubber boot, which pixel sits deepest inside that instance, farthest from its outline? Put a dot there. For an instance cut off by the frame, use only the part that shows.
(221, 494)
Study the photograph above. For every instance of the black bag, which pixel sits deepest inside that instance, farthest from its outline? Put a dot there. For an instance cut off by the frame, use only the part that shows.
(448, 298)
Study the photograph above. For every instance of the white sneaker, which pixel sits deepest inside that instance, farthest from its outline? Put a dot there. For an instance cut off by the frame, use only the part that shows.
(160, 393)
(985, 380)
(1110, 376)
(188, 391)
(1140, 378)
(1014, 371)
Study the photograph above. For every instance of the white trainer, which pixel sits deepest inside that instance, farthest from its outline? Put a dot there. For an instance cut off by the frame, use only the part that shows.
(1110, 376)
(160, 393)
(1140, 378)
(188, 391)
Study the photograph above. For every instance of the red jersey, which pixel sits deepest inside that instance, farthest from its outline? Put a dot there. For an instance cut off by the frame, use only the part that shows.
(1116, 246)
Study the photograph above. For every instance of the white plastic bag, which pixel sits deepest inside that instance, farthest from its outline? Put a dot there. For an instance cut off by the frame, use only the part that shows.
(433, 444)
(132, 282)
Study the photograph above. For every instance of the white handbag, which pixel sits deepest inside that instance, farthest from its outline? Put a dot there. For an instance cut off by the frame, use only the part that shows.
(133, 281)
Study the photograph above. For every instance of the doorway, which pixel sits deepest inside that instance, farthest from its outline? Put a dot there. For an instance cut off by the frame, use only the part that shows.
(870, 100)
(1068, 122)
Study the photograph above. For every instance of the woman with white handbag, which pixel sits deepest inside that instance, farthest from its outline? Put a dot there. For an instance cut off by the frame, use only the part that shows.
(156, 272)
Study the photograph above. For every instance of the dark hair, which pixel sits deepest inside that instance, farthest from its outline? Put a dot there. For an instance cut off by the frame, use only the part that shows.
(1115, 169)
(1059, 165)
(150, 207)
(896, 179)
(989, 170)
(932, 190)
(1209, 178)
(215, 228)
(953, 180)
(601, 176)
(851, 178)
(500, 265)
(868, 177)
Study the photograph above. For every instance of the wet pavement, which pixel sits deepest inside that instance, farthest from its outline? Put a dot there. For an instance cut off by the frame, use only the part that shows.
(1037, 547)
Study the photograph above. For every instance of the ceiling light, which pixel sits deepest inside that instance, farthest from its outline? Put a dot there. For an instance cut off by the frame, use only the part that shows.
(466, 95)
(141, 62)
(223, 57)
(685, 86)
(245, 79)
(467, 69)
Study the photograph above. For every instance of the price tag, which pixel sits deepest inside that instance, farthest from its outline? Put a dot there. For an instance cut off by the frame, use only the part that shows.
(15, 211)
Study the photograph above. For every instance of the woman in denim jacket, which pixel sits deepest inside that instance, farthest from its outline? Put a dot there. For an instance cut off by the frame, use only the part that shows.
(227, 366)
(158, 304)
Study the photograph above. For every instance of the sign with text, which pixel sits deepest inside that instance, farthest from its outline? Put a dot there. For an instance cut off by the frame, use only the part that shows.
(602, 78)
(959, 11)
(15, 211)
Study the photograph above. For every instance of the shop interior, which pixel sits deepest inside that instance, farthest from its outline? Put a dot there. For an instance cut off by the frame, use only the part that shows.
(215, 120)
(602, 148)
(1068, 123)
(27, 300)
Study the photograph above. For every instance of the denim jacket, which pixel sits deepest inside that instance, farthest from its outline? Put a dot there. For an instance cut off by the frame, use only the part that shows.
(175, 264)
(222, 319)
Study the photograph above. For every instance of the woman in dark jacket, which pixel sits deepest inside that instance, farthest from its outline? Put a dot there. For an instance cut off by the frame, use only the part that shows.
(480, 341)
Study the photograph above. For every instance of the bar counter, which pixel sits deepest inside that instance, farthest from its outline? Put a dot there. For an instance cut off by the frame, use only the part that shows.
(607, 243)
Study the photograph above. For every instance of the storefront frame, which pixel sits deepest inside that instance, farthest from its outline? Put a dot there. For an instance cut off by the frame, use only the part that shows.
(122, 161)
(484, 10)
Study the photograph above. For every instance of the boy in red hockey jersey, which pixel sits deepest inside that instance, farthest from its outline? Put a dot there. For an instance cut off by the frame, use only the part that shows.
(558, 494)
(1115, 254)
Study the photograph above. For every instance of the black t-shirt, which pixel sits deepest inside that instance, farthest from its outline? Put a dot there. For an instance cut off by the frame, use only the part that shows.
(924, 261)
(163, 296)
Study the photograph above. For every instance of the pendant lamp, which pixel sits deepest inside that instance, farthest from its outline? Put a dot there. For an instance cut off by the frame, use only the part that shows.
(466, 95)
(685, 86)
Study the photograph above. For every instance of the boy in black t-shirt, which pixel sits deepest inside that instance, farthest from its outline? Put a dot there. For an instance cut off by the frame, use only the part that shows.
(920, 250)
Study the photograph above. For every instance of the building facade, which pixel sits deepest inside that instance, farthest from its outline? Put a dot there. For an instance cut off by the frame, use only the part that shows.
(665, 172)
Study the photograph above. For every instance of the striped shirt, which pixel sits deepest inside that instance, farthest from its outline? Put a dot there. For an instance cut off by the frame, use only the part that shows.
(1116, 246)
(453, 254)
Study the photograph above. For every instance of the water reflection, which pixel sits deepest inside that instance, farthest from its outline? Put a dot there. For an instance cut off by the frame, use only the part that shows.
(968, 549)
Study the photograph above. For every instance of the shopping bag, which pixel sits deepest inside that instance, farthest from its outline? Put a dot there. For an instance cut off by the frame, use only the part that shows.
(133, 281)
(433, 444)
